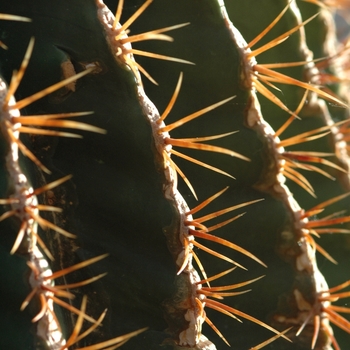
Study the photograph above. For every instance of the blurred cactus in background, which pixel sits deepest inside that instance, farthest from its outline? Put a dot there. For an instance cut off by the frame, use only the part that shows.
(174, 174)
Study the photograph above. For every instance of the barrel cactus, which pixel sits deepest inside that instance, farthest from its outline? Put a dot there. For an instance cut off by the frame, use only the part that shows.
(174, 175)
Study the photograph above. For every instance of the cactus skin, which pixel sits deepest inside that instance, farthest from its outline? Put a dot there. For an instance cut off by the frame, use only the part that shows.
(120, 209)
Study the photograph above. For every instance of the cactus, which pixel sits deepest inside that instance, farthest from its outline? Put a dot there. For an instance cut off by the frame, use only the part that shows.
(173, 189)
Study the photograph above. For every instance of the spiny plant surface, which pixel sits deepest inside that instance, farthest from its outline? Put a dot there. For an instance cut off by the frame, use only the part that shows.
(122, 197)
